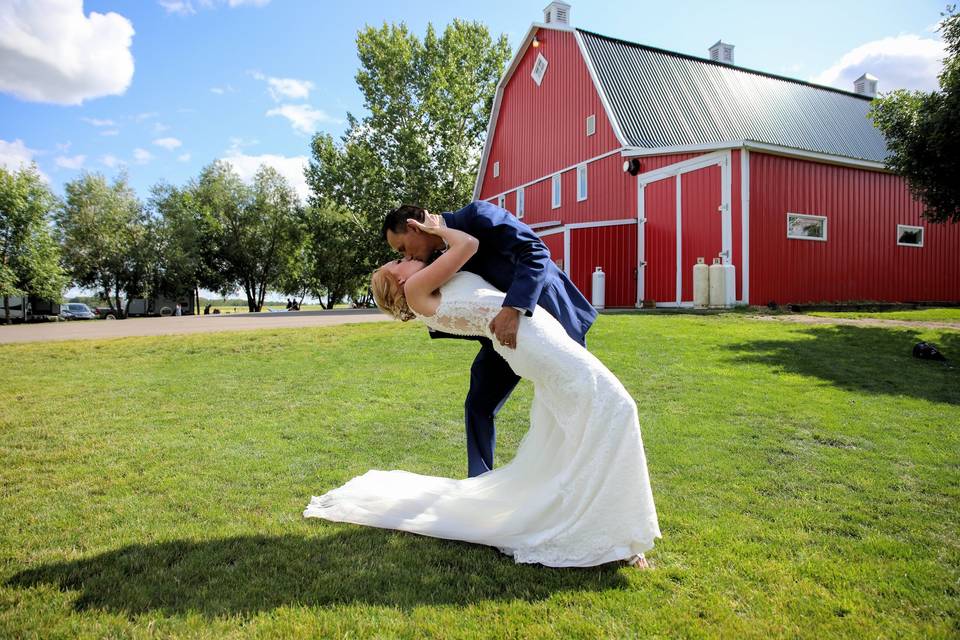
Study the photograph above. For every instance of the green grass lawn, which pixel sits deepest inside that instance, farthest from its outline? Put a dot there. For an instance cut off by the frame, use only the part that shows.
(807, 480)
(938, 314)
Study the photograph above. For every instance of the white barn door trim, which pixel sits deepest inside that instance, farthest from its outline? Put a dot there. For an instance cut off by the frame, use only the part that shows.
(721, 158)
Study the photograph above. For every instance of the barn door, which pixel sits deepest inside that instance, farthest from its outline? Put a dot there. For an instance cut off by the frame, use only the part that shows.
(701, 228)
(684, 214)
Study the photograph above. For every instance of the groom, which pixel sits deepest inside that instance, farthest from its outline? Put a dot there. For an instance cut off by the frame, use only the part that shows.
(514, 259)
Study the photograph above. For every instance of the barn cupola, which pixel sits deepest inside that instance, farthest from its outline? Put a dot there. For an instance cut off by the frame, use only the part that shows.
(557, 13)
(866, 85)
(722, 52)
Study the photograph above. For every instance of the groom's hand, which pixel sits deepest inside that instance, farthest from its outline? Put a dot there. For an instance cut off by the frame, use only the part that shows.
(505, 325)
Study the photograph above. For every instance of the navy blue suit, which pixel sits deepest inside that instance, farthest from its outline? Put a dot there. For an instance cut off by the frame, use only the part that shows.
(515, 260)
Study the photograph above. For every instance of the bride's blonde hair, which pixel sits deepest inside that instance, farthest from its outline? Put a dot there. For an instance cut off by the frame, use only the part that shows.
(388, 295)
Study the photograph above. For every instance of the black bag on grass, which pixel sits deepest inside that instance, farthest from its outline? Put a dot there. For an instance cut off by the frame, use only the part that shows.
(927, 351)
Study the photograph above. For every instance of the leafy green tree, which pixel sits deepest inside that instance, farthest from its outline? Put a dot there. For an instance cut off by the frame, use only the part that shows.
(429, 103)
(923, 132)
(334, 259)
(251, 230)
(29, 255)
(186, 245)
(104, 236)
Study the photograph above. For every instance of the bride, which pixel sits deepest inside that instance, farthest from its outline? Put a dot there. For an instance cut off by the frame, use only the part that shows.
(576, 494)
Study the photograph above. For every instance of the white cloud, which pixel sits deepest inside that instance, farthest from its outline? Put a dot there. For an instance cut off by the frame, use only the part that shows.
(142, 156)
(70, 162)
(159, 127)
(186, 7)
(183, 157)
(51, 52)
(901, 62)
(222, 90)
(110, 160)
(99, 123)
(179, 7)
(168, 143)
(110, 132)
(285, 88)
(140, 117)
(16, 155)
(303, 117)
(290, 168)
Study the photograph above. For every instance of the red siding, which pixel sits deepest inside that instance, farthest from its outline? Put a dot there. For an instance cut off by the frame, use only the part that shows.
(614, 249)
(861, 259)
(540, 130)
(554, 243)
(736, 219)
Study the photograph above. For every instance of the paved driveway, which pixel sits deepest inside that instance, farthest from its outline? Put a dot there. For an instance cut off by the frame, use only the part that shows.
(98, 329)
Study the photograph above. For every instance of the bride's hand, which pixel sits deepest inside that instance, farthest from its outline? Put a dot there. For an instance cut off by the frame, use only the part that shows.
(432, 229)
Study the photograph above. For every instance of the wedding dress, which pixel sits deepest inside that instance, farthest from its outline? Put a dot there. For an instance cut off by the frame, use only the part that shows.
(576, 494)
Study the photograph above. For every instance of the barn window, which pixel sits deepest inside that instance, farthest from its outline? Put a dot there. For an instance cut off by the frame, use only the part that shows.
(581, 182)
(908, 236)
(539, 68)
(591, 125)
(520, 202)
(802, 226)
(496, 169)
(501, 200)
(555, 190)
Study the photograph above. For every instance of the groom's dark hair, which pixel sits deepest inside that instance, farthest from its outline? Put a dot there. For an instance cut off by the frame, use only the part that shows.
(396, 220)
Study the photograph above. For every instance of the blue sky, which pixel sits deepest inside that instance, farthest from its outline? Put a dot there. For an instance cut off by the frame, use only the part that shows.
(248, 80)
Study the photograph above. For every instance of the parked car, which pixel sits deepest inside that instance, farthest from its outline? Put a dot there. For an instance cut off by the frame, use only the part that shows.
(106, 313)
(78, 311)
(65, 313)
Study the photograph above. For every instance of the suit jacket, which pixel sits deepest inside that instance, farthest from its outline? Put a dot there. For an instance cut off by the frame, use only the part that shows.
(515, 260)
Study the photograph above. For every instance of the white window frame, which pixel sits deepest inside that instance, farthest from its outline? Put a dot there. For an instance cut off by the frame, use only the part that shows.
(539, 69)
(910, 227)
(581, 182)
(502, 200)
(808, 216)
(496, 169)
(556, 191)
(591, 124)
(520, 203)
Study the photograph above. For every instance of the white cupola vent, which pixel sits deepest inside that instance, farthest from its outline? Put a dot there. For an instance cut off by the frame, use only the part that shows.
(866, 85)
(557, 13)
(722, 52)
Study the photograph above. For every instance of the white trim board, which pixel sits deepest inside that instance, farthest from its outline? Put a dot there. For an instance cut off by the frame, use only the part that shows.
(745, 226)
(772, 149)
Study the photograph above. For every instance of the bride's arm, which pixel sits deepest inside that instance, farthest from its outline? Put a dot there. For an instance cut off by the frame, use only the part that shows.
(420, 287)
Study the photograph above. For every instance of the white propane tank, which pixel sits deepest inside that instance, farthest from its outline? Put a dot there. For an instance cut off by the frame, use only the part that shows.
(717, 285)
(730, 284)
(701, 284)
(599, 288)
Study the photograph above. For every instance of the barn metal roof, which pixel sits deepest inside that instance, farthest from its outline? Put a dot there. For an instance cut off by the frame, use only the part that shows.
(662, 99)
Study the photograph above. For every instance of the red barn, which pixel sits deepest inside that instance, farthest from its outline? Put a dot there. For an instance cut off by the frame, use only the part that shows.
(781, 178)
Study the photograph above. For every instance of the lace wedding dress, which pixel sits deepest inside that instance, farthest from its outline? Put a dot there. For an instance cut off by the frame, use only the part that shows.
(576, 494)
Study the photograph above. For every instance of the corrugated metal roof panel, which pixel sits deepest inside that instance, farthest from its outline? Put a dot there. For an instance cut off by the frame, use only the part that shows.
(665, 99)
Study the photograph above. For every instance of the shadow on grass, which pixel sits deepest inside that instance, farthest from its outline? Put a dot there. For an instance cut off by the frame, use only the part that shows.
(259, 573)
(874, 360)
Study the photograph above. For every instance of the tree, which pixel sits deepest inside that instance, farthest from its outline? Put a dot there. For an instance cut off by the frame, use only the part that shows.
(252, 230)
(187, 246)
(429, 103)
(29, 255)
(334, 258)
(923, 132)
(104, 235)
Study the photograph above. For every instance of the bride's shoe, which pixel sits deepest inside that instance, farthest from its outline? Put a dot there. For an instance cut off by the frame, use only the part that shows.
(637, 562)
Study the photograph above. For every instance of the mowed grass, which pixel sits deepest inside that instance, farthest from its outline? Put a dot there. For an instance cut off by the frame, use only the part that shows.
(935, 314)
(807, 481)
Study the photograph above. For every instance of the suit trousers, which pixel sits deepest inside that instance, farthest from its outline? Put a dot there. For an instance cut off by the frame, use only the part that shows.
(491, 382)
